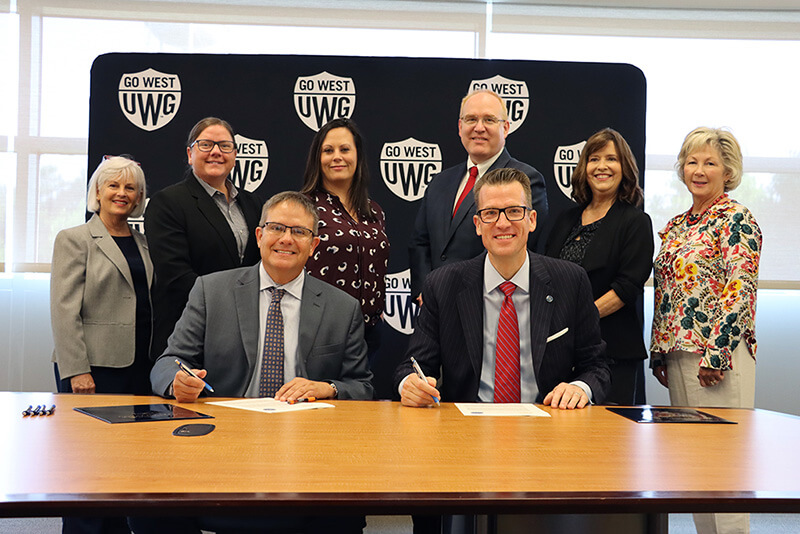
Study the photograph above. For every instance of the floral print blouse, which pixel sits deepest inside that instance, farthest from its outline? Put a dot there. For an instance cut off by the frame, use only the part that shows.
(352, 255)
(706, 276)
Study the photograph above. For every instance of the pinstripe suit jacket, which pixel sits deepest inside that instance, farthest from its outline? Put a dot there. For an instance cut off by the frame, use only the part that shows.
(449, 331)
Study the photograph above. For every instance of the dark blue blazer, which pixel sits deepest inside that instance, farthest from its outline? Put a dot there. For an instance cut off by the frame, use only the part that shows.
(440, 239)
(448, 336)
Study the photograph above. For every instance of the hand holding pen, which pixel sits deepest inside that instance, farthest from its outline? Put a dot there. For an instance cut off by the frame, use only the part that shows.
(188, 384)
(418, 390)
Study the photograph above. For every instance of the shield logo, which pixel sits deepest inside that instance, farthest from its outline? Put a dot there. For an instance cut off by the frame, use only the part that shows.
(137, 223)
(408, 166)
(400, 311)
(564, 163)
(150, 99)
(323, 97)
(252, 161)
(514, 92)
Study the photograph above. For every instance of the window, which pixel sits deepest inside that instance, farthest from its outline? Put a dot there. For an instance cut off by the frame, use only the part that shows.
(747, 85)
(55, 185)
(742, 85)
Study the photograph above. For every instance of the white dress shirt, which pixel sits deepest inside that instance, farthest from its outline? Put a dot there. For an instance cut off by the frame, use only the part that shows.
(290, 309)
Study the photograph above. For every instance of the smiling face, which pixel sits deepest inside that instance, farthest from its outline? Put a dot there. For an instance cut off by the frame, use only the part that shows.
(481, 141)
(338, 159)
(212, 167)
(506, 241)
(285, 255)
(118, 197)
(604, 172)
(705, 176)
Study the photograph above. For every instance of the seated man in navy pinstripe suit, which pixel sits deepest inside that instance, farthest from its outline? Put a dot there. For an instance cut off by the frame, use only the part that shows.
(509, 325)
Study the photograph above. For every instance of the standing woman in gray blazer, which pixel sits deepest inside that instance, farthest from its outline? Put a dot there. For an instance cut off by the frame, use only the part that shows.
(100, 289)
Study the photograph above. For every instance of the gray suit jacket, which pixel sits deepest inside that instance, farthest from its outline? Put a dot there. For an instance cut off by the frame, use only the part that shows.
(92, 300)
(218, 331)
(439, 238)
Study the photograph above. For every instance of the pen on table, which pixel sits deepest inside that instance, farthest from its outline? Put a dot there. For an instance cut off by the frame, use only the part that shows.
(305, 399)
(191, 373)
(421, 375)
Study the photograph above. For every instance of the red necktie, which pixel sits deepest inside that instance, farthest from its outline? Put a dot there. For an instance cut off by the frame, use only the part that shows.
(506, 365)
(473, 173)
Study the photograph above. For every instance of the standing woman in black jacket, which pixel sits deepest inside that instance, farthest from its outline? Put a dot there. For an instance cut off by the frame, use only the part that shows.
(198, 226)
(612, 239)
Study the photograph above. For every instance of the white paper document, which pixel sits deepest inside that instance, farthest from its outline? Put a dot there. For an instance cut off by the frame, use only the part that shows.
(267, 405)
(491, 409)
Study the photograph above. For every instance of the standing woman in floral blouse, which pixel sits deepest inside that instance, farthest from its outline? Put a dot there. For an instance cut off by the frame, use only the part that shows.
(703, 345)
(353, 253)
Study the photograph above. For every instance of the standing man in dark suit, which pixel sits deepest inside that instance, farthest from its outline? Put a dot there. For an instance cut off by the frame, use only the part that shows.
(443, 232)
(509, 325)
(201, 225)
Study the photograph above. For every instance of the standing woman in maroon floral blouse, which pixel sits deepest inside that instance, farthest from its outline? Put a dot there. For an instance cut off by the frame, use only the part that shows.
(353, 253)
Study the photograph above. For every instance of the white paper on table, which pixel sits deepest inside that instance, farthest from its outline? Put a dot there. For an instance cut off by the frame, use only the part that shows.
(269, 405)
(500, 409)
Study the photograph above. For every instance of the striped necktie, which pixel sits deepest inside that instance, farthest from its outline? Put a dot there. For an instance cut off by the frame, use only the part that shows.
(506, 366)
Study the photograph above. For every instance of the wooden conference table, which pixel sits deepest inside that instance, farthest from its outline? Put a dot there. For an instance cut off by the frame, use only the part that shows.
(382, 458)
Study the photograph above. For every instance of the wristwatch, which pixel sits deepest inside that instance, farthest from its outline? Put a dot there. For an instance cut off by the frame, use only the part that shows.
(335, 390)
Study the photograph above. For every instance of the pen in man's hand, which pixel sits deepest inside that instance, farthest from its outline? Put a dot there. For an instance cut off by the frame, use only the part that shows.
(191, 373)
(305, 399)
(421, 375)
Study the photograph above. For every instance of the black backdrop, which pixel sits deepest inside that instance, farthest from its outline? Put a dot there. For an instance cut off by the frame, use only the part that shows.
(407, 110)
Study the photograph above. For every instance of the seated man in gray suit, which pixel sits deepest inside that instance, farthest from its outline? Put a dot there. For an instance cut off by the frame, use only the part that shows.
(509, 325)
(267, 330)
(314, 332)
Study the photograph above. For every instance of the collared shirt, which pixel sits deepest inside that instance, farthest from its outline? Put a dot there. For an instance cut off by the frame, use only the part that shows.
(482, 168)
(493, 298)
(231, 211)
(290, 309)
(492, 301)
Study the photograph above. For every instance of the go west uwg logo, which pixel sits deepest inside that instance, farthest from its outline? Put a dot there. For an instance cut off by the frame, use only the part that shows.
(323, 97)
(407, 167)
(252, 161)
(564, 163)
(514, 92)
(400, 311)
(150, 99)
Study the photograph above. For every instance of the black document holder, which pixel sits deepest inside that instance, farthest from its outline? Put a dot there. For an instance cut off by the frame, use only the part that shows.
(138, 413)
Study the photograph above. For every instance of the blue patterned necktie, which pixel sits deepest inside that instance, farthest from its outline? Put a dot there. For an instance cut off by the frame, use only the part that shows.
(272, 362)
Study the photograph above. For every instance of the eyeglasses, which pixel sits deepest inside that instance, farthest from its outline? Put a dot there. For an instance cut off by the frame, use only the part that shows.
(207, 145)
(298, 232)
(513, 213)
(489, 120)
(126, 156)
